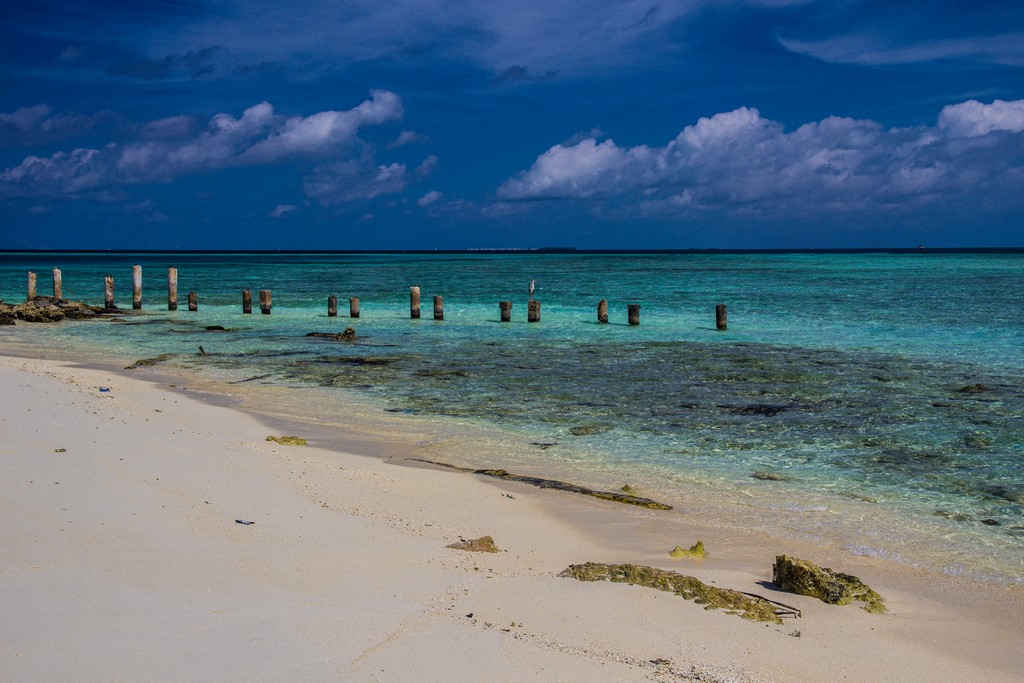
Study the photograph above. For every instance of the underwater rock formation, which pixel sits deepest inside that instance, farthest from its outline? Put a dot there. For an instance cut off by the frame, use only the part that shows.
(347, 335)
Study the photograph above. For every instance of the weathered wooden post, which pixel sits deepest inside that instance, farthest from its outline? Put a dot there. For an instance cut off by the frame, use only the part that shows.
(193, 302)
(172, 289)
(247, 300)
(414, 302)
(506, 311)
(58, 288)
(634, 313)
(31, 286)
(438, 307)
(602, 311)
(721, 317)
(533, 312)
(353, 307)
(136, 287)
(108, 291)
(332, 306)
(266, 301)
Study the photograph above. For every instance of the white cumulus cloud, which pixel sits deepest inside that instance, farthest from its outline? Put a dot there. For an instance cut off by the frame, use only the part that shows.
(166, 149)
(741, 161)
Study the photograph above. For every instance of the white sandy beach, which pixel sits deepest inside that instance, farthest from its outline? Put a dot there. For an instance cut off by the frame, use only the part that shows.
(121, 559)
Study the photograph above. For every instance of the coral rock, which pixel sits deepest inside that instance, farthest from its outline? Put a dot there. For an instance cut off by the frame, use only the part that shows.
(696, 550)
(806, 578)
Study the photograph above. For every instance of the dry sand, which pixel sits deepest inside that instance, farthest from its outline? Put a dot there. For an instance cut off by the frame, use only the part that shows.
(120, 559)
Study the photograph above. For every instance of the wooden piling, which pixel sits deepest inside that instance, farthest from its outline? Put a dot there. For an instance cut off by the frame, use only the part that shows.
(634, 313)
(31, 286)
(602, 311)
(247, 301)
(58, 288)
(506, 311)
(193, 302)
(353, 307)
(438, 307)
(414, 302)
(533, 312)
(108, 291)
(721, 317)
(266, 301)
(136, 287)
(172, 289)
(332, 306)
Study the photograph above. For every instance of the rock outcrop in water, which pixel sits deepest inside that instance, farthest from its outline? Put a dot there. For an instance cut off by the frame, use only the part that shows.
(806, 578)
(349, 334)
(46, 309)
(688, 587)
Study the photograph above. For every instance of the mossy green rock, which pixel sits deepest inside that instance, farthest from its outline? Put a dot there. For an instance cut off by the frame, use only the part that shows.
(288, 440)
(835, 588)
(684, 586)
(696, 550)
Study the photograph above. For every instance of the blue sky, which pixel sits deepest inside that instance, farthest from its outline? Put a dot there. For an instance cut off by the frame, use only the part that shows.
(318, 124)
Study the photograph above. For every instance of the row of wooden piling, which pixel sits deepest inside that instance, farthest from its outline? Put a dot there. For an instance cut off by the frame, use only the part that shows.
(266, 300)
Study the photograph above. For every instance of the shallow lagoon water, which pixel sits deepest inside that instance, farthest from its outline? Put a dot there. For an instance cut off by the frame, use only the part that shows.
(869, 401)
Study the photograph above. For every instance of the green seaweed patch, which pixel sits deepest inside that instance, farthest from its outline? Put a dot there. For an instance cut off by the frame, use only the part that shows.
(688, 587)
(628, 490)
(696, 550)
(484, 544)
(835, 588)
(615, 496)
(288, 440)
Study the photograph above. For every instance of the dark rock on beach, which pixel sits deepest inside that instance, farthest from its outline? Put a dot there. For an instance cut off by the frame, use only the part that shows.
(616, 496)
(142, 362)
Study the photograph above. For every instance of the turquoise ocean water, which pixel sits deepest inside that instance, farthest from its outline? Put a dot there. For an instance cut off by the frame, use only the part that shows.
(871, 401)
